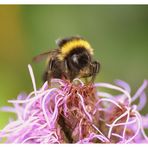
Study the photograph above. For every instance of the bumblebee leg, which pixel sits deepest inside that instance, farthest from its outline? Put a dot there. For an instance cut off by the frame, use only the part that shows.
(47, 77)
(95, 70)
(48, 73)
(49, 80)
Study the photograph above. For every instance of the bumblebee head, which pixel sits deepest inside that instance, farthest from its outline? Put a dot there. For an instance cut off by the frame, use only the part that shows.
(72, 45)
(79, 58)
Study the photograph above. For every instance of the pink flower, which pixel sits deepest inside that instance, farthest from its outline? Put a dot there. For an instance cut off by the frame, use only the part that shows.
(77, 113)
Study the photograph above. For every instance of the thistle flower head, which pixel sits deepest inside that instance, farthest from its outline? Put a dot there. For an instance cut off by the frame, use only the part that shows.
(74, 112)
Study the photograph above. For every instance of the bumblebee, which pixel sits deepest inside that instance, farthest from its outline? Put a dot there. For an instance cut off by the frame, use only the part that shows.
(72, 58)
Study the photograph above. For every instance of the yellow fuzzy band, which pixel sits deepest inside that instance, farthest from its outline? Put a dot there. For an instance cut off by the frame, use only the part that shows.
(69, 46)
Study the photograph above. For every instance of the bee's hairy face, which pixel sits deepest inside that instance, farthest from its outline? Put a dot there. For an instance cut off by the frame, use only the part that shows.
(78, 59)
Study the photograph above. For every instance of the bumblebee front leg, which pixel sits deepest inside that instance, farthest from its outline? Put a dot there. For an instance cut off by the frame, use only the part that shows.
(95, 70)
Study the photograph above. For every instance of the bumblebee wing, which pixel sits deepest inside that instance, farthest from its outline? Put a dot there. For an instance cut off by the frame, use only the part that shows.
(42, 56)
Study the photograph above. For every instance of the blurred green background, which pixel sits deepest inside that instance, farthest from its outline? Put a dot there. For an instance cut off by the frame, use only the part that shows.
(119, 35)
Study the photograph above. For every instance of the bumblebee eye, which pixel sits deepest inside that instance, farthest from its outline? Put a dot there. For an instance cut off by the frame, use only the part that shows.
(75, 58)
